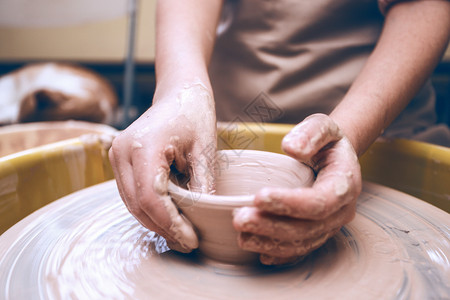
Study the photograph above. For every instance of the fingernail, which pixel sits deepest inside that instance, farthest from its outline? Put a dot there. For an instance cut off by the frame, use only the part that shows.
(271, 201)
(161, 181)
(264, 195)
(267, 259)
(177, 247)
(295, 140)
(272, 260)
(242, 215)
(235, 212)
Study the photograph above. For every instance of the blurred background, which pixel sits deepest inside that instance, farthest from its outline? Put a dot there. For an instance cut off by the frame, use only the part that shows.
(97, 36)
(93, 34)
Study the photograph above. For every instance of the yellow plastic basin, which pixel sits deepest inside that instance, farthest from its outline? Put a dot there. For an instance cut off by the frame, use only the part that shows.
(32, 178)
(19, 137)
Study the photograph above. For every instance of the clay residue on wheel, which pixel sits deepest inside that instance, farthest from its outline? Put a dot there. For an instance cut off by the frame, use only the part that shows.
(88, 246)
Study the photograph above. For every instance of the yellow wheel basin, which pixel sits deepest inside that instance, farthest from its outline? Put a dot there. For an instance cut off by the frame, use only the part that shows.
(32, 175)
(19, 137)
(32, 178)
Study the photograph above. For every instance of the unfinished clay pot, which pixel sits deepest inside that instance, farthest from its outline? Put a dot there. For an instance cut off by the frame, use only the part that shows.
(239, 175)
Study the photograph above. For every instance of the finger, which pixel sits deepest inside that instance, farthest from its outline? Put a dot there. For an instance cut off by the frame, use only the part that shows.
(252, 220)
(338, 183)
(309, 136)
(314, 203)
(126, 186)
(273, 260)
(123, 174)
(284, 249)
(153, 198)
(202, 169)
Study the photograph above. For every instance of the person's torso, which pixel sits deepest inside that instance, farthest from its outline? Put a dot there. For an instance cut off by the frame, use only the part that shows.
(280, 61)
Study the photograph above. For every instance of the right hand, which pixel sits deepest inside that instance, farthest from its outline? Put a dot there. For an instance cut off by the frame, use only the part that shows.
(287, 223)
(180, 130)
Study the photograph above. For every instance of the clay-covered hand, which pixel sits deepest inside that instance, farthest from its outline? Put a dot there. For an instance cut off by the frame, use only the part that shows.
(285, 224)
(179, 130)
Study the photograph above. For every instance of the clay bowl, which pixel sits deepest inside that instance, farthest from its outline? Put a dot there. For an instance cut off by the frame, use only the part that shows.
(239, 175)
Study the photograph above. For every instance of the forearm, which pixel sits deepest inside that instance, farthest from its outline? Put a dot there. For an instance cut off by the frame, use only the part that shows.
(413, 40)
(185, 35)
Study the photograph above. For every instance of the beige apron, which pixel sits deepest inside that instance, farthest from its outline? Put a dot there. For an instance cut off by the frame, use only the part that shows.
(280, 61)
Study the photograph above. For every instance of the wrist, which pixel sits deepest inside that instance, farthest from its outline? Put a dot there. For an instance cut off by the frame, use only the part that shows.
(170, 86)
(349, 130)
(189, 97)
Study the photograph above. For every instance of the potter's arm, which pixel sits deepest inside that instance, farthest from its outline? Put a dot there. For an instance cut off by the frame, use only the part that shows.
(413, 40)
(185, 36)
(179, 129)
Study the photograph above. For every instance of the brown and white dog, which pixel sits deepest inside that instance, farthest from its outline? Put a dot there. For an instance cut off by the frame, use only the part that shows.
(55, 91)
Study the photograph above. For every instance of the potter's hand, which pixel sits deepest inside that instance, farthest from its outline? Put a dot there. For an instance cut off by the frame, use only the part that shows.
(178, 130)
(287, 223)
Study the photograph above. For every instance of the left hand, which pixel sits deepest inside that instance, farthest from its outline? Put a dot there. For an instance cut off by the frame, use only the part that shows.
(285, 224)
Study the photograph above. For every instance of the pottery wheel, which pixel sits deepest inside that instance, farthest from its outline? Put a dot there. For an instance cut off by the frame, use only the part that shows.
(88, 246)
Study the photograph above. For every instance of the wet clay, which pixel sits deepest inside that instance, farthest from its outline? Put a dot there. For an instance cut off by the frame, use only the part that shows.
(240, 174)
(88, 246)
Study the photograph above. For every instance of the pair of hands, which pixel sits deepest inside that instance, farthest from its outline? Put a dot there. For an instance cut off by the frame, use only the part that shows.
(282, 225)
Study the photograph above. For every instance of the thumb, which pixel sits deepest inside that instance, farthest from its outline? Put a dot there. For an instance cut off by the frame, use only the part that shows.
(184, 238)
(310, 136)
(202, 171)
